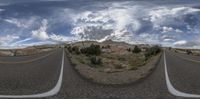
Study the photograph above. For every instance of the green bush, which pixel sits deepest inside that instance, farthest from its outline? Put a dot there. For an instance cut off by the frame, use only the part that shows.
(129, 49)
(188, 52)
(91, 50)
(118, 66)
(152, 51)
(69, 48)
(121, 59)
(76, 49)
(136, 49)
(95, 60)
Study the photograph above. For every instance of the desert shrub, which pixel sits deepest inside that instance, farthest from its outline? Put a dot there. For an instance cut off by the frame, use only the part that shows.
(91, 50)
(108, 46)
(83, 50)
(152, 51)
(132, 68)
(136, 49)
(129, 49)
(76, 49)
(69, 48)
(118, 66)
(95, 60)
(188, 52)
(121, 59)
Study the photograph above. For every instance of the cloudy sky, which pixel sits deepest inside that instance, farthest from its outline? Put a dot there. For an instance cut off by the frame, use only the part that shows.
(169, 23)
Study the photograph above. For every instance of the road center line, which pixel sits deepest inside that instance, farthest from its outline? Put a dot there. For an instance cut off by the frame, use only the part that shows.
(172, 90)
(52, 92)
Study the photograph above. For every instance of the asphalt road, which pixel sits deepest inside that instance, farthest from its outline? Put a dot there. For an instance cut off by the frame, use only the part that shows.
(29, 77)
(42, 75)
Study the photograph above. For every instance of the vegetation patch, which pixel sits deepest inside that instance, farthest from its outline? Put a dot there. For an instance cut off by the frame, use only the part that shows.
(112, 57)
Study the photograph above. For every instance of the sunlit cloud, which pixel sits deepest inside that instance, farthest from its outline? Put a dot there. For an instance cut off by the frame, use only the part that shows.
(6, 40)
(128, 21)
(41, 33)
(22, 23)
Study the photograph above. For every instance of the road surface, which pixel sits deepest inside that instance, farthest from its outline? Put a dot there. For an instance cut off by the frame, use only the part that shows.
(38, 77)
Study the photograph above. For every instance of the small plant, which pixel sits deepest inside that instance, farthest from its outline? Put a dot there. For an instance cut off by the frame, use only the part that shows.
(95, 60)
(118, 66)
(108, 46)
(69, 48)
(152, 51)
(136, 49)
(188, 52)
(129, 49)
(76, 49)
(121, 59)
(92, 50)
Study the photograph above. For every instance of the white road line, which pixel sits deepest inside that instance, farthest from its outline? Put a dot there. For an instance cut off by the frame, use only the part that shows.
(172, 90)
(52, 92)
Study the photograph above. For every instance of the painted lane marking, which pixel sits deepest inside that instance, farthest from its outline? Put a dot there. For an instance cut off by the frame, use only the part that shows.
(52, 92)
(172, 90)
(27, 61)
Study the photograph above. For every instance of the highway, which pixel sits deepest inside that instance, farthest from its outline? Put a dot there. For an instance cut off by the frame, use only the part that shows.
(52, 77)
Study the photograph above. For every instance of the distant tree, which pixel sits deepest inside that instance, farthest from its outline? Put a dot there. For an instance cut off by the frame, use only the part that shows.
(91, 50)
(108, 46)
(136, 49)
(129, 49)
(152, 51)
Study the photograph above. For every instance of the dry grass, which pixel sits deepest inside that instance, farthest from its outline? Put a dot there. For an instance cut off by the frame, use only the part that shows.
(114, 58)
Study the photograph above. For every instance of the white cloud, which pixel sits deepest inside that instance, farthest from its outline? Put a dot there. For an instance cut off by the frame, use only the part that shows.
(8, 39)
(167, 29)
(168, 40)
(61, 38)
(180, 43)
(21, 23)
(113, 23)
(41, 33)
(2, 10)
(123, 21)
(159, 14)
(21, 41)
